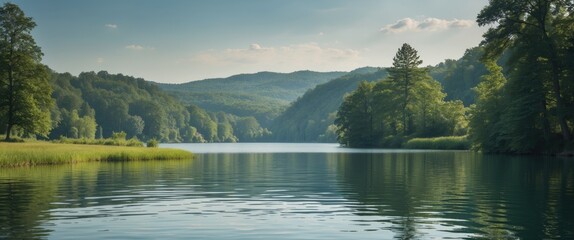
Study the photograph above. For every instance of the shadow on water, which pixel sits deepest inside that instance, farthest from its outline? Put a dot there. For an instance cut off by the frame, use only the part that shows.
(486, 196)
(22, 210)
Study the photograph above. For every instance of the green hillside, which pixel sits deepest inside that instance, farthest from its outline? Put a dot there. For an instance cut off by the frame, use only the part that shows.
(95, 105)
(309, 117)
(263, 95)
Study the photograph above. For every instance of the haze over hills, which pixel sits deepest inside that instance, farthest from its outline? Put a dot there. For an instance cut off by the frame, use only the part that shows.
(266, 106)
(282, 86)
(263, 95)
(310, 118)
(301, 106)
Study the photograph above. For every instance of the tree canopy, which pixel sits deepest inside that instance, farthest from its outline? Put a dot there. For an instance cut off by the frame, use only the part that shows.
(24, 85)
(534, 111)
(407, 104)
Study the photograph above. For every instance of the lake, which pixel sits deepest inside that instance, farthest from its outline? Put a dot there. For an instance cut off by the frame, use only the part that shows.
(293, 191)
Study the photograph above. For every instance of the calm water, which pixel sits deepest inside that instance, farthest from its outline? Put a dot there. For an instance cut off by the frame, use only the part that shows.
(293, 191)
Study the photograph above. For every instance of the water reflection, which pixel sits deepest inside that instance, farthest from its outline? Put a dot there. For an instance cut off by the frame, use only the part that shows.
(21, 211)
(474, 195)
(293, 195)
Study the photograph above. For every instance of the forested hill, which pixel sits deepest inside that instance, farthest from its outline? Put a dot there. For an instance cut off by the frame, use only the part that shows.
(98, 104)
(283, 86)
(460, 77)
(310, 118)
(263, 95)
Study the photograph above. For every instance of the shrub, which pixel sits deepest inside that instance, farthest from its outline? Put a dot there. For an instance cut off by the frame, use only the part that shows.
(119, 135)
(443, 143)
(13, 140)
(152, 143)
(134, 142)
(117, 140)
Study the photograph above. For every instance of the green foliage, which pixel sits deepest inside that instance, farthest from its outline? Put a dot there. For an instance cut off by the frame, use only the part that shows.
(464, 74)
(409, 103)
(93, 102)
(459, 77)
(152, 143)
(442, 143)
(119, 136)
(224, 128)
(43, 153)
(24, 85)
(485, 115)
(264, 109)
(11, 140)
(248, 129)
(118, 140)
(531, 112)
(262, 95)
(355, 118)
(407, 84)
(308, 118)
(203, 122)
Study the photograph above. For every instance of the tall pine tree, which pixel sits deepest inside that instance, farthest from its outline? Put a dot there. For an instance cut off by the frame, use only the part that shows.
(403, 76)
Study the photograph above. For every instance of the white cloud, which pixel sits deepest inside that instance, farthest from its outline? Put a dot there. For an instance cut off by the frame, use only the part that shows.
(137, 47)
(429, 24)
(255, 46)
(310, 56)
(111, 26)
(100, 60)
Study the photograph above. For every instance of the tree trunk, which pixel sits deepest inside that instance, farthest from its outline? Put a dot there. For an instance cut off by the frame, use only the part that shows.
(545, 122)
(8, 130)
(405, 128)
(556, 86)
(10, 102)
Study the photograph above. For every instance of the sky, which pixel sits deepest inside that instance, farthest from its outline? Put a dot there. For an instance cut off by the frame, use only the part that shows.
(176, 41)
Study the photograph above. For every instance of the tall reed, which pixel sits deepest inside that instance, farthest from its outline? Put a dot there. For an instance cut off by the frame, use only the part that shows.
(38, 153)
(444, 143)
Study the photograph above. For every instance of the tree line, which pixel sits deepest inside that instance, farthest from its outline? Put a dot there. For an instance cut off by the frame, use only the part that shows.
(36, 101)
(408, 103)
(524, 106)
(514, 94)
(97, 105)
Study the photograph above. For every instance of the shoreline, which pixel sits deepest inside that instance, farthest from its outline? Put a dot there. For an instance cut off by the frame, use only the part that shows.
(47, 153)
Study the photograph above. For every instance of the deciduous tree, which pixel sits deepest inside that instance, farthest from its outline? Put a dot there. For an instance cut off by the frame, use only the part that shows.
(546, 24)
(25, 92)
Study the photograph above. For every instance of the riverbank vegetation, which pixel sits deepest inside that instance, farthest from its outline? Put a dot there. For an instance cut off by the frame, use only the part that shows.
(117, 139)
(524, 106)
(443, 143)
(36, 102)
(406, 104)
(46, 153)
(527, 106)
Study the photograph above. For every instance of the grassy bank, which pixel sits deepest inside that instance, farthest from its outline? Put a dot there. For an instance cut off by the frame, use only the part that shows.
(443, 143)
(42, 153)
(132, 142)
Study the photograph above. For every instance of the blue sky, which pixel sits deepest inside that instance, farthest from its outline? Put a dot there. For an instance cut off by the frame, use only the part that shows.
(185, 40)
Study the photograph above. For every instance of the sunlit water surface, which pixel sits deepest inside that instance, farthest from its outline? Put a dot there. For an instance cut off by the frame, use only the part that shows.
(293, 191)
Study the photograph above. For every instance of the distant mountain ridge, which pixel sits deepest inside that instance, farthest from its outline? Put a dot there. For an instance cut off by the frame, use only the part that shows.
(263, 95)
(282, 86)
